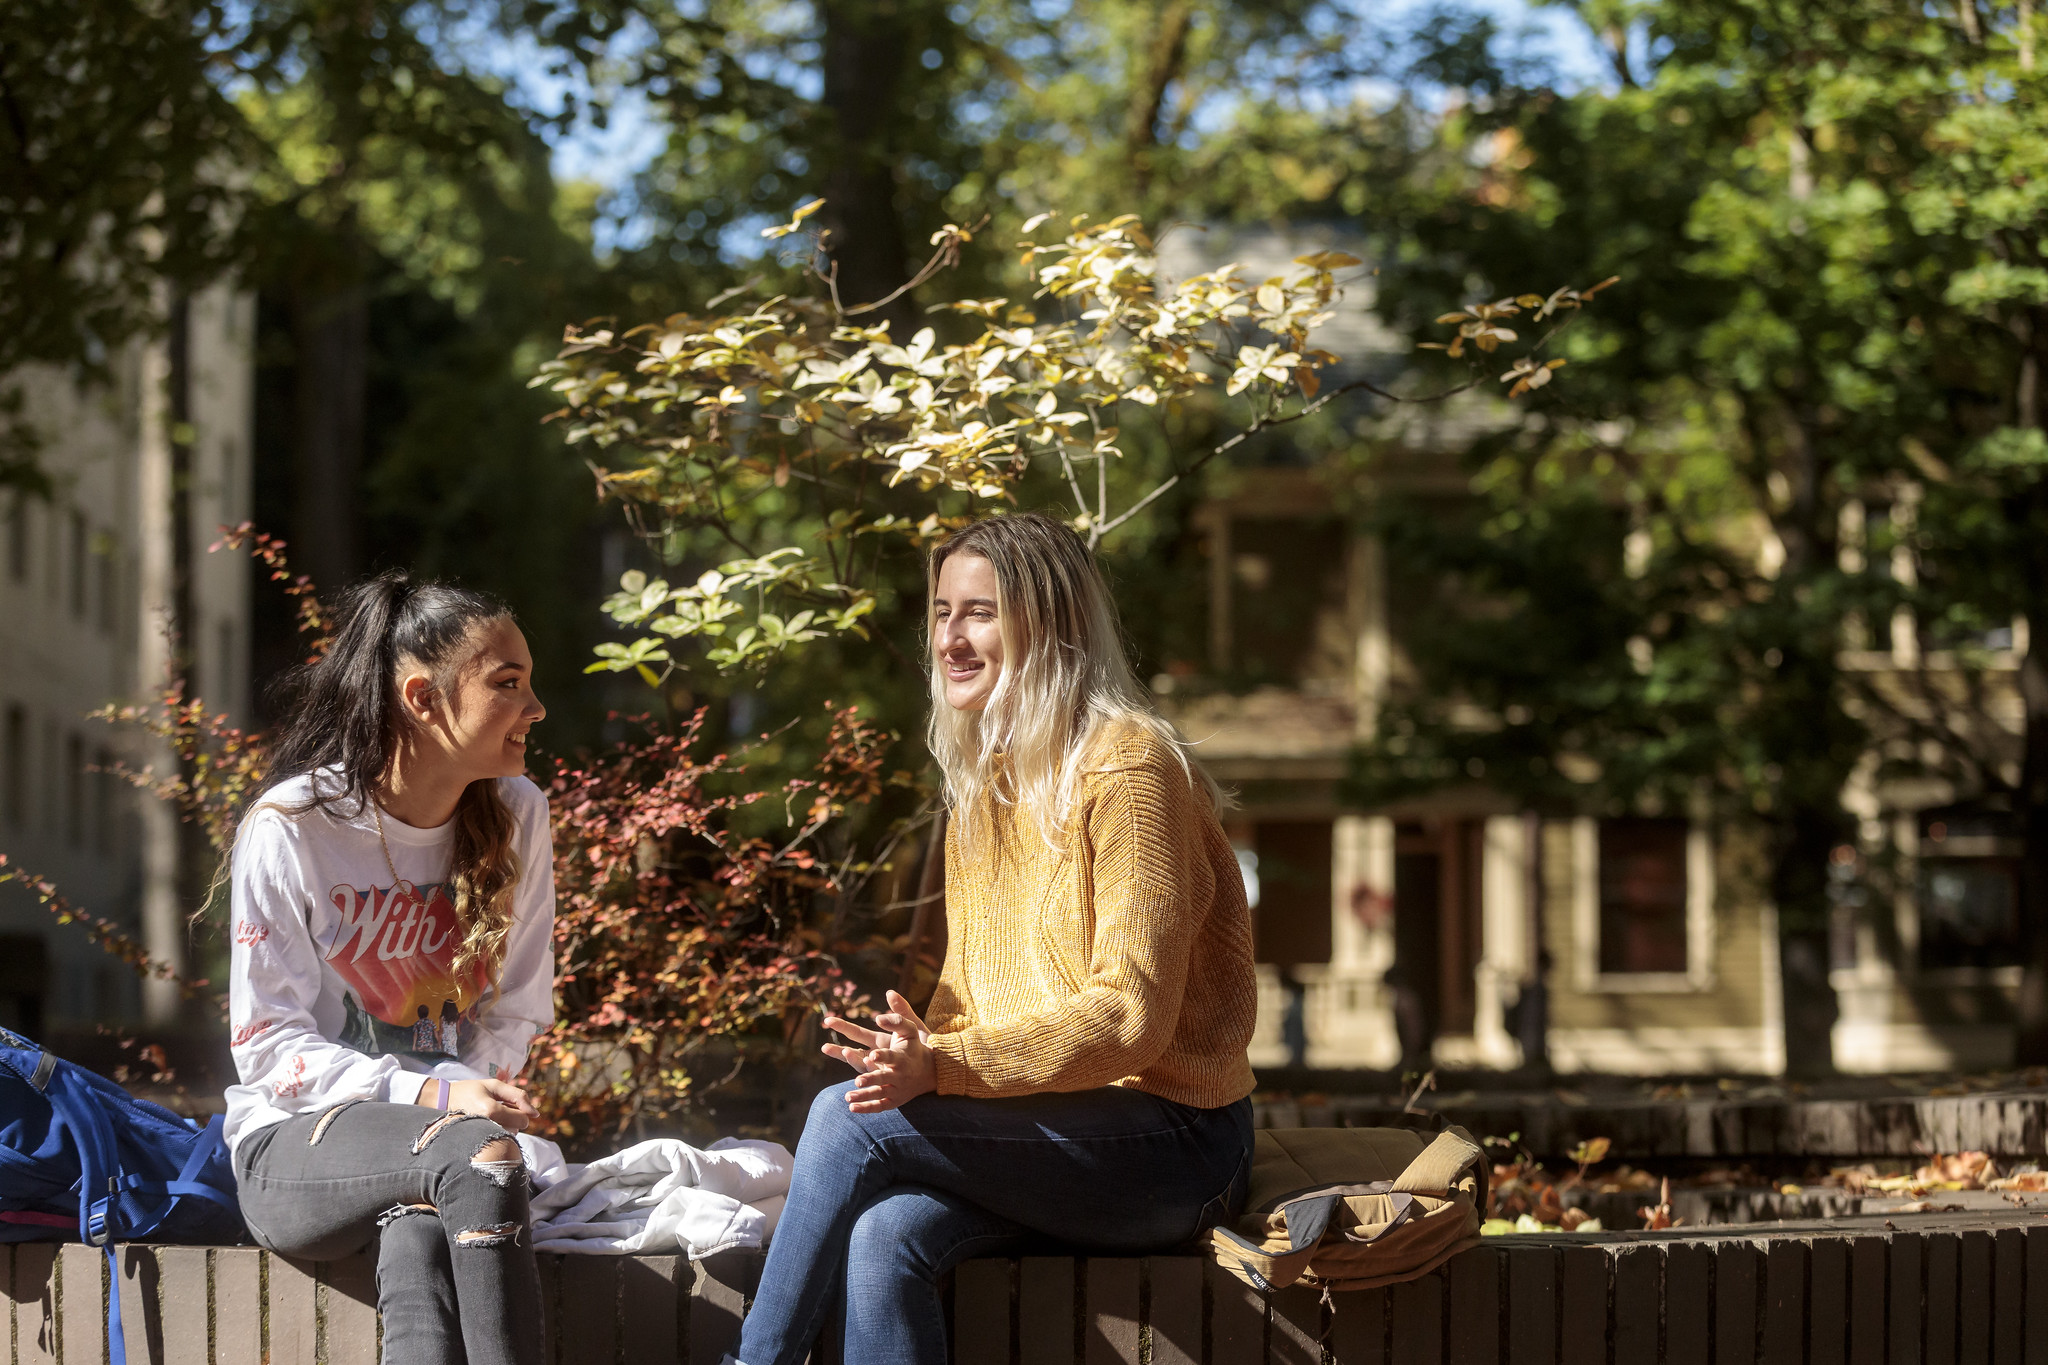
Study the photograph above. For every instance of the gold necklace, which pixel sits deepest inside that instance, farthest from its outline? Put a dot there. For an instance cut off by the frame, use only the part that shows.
(377, 812)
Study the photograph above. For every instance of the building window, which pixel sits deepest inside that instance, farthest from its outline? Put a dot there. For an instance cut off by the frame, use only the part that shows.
(1969, 887)
(81, 552)
(74, 791)
(223, 686)
(1278, 586)
(1643, 913)
(1289, 867)
(1286, 866)
(52, 538)
(229, 453)
(1642, 896)
(106, 788)
(14, 768)
(106, 564)
(17, 538)
(1438, 926)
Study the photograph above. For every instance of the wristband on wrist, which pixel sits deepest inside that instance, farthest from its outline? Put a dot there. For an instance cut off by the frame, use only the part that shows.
(441, 1100)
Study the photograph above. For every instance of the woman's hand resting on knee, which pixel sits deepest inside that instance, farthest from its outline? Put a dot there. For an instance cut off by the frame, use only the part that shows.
(894, 1058)
(502, 1102)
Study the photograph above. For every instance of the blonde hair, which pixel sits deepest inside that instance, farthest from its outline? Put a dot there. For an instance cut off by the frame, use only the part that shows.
(1066, 681)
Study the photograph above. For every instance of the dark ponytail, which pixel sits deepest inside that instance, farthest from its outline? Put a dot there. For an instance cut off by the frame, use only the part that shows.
(341, 712)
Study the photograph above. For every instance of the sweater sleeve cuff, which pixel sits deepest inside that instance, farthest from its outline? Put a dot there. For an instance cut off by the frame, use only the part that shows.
(403, 1087)
(953, 1073)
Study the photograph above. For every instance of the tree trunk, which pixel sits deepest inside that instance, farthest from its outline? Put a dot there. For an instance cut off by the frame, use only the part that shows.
(2030, 509)
(1615, 36)
(2031, 802)
(196, 857)
(162, 913)
(1799, 889)
(867, 53)
(925, 951)
(1811, 731)
(331, 343)
(180, 626)
(1148, 90)
(1532, 1010)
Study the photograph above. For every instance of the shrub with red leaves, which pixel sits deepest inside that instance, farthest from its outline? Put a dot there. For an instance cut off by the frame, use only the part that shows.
(681, 940)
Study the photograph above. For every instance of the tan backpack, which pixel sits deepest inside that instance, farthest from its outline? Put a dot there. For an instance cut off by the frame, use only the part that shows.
(1353, 1208)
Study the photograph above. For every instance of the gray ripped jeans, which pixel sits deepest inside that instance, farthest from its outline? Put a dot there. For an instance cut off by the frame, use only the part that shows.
(456, 1280)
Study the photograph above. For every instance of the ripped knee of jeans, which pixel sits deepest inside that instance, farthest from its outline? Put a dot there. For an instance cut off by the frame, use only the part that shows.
(499, 1161)
(496, 1235)
(398, 1211)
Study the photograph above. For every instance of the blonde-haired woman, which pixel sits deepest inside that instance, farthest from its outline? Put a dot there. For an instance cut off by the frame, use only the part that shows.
(393, 898)
(1082, 1077)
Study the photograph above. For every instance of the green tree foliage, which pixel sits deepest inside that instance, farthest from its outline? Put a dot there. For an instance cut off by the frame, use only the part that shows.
(417, 257)
(905, 115)
(113, 134)
(1828, 224)
(394, 209)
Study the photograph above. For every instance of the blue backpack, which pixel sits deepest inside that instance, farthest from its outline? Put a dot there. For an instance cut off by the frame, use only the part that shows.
(81, 1156)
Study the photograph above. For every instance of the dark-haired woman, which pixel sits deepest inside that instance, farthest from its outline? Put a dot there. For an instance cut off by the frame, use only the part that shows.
(393, 914)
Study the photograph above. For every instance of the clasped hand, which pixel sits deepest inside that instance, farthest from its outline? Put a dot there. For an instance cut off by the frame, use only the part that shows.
(894, 1058)
(497, 1099)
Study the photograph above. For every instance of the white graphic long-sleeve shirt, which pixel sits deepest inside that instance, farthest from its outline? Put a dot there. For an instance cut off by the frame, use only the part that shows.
(342, 984)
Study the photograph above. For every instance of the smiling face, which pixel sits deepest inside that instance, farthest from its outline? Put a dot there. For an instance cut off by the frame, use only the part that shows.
(482, 727)
(967, 634)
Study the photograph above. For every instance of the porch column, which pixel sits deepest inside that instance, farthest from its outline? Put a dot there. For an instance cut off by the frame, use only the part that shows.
(1356, 1026)
(1504, 932)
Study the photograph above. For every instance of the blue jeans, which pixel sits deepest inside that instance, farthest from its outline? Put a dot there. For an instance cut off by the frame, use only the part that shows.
(882, 1205)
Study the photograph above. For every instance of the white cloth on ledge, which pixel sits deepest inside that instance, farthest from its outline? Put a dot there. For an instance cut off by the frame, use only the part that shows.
(658, 1196)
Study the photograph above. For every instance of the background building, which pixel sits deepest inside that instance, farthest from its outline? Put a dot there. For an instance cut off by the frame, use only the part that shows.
(1414, 934)
(1411, 934)
(88, 579)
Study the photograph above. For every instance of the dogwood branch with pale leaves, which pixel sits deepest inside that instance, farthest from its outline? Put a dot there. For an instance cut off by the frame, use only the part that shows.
(693, 418)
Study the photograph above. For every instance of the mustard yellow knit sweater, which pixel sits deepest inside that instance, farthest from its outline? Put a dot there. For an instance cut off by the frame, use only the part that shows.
(1124, 960)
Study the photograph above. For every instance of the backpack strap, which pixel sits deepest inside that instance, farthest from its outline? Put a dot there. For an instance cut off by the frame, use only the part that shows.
(98, 1161)
(98, 1155)
(175, 1187)
(117, 1339)
(1440, 1165)
(210, 1144)
(213, 1142)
